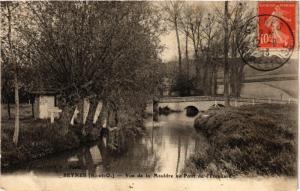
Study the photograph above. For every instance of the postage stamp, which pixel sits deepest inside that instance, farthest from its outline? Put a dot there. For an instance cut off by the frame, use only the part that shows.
(276, 24)
(267, 40)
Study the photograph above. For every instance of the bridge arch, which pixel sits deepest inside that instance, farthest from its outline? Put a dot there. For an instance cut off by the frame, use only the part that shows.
(191, 110)
(203, 103)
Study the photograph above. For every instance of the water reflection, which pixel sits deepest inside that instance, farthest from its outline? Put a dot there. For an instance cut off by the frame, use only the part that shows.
(164, 149)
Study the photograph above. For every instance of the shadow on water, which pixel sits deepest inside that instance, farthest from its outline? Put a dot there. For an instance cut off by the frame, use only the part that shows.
(164, 149)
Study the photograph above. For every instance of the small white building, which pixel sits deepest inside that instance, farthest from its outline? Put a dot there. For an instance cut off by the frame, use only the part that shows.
(44, 104)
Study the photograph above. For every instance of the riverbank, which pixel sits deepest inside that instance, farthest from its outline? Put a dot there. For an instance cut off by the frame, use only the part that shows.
(37, 139)
(248, 140)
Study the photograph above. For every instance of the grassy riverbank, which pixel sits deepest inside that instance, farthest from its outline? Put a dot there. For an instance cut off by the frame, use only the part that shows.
(38, 138)
(249, 140)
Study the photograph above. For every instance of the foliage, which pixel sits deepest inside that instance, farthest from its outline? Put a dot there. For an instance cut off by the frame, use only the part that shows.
(37, 139)
(183, 86)
(105, 51)
(95, 49)
(24, 68)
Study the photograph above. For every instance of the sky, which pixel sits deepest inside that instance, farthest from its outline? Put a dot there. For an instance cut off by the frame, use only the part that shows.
(170, 51)
(169, 40)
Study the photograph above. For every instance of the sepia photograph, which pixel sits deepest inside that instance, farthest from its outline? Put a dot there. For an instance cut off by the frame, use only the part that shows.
(149, 95)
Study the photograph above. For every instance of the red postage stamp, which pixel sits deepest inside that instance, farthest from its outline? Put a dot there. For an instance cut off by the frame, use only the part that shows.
(277, 24)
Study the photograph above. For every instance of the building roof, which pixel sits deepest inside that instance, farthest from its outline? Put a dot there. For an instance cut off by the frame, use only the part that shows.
(44, 92)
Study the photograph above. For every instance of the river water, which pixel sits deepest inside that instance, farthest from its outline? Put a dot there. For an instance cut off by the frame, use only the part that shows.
(164, 149)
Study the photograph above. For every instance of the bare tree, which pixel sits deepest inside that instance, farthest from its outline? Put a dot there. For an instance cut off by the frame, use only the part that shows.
(204, 33)
(215, 62)
(202, 30)
(184, 26)
(192, 21)
(173, 10)
(239, 15)
(226, 65)
(209, 32)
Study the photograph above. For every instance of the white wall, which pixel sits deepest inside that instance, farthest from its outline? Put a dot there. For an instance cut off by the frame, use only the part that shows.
(44, 102)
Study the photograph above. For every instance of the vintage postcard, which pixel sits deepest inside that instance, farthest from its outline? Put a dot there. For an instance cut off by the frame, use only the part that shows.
(149, 95)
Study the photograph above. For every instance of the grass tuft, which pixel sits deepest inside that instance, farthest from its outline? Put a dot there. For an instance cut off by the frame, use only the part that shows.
(248, 140)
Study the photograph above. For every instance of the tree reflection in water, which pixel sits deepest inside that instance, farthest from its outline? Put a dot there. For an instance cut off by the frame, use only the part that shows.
(163, 149)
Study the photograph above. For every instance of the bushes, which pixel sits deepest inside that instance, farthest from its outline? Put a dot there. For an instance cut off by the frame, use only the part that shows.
(249, 140)
(37, 139)
(183, 86)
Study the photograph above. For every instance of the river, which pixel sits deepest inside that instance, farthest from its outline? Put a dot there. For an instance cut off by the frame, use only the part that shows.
(164, 149)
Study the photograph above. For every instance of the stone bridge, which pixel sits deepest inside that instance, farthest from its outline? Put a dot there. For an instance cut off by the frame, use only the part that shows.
(203, 103)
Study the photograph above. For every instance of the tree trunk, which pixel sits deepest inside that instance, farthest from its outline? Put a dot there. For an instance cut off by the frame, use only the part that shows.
(80, 107)
(178, 46)
(32, 109)
(8, 110)
(210, 79)
(205, 78)
(240, 77)
(198, 75)
(208, 72)
(91, 113)
(197, 63)
(155, 110)
(226, 65)
(116, 118)
(213, 83)
(236, 86)
(234, 78)
(13, 61)
(187, 56)
(17, 110)
(178, 154)
(233, 73)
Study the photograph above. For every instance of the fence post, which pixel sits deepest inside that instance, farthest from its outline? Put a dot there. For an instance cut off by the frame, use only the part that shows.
(52, 117)
(76, 112)
(253, 101)
(235, 102)
(289, 100)
(216, 103)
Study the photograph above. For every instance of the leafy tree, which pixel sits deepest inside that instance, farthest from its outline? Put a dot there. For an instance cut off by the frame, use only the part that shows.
(7, 77)
(98, 50)
(9, 47)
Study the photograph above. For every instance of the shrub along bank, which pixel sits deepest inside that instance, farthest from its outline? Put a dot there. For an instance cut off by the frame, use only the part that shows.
(37, 139)
(249, 140)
